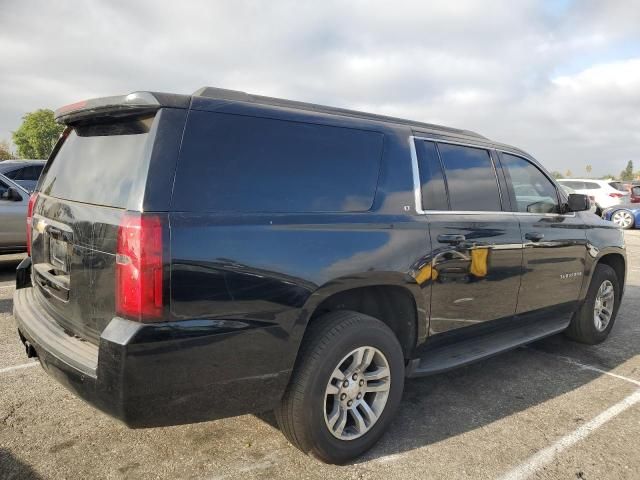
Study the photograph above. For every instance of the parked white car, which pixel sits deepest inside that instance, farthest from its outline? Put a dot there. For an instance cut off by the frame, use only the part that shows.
(602, 192)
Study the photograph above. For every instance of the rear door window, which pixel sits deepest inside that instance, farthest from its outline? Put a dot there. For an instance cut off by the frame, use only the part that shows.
(98, 163)
(235, 163)
(434, 192)
(470, 177)
(591, 186)
(534, 192)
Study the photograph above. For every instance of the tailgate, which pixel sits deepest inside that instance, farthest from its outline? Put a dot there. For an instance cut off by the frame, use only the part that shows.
(84, 191)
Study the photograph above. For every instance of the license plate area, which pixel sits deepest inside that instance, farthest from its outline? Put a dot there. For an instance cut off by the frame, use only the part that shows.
(59, 254)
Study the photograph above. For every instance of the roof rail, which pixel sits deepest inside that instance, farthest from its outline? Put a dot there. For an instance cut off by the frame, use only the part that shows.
(237, 95)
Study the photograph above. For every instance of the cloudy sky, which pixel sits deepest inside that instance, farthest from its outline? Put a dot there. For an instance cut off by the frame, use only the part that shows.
(560, 79)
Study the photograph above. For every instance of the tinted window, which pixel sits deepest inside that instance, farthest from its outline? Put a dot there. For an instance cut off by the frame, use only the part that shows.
(471, 178)
(618, 186)
(13, 174)
(534, 192)
(434, 193)
(591, 185)
(98, 163)
(573, 184)
(32, 172)
(249, 164)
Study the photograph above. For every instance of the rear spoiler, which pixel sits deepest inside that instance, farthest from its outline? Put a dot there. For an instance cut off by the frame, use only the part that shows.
(118, 106)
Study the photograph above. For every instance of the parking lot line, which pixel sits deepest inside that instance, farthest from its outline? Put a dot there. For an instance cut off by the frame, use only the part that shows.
(546, 455)
(571, 361)
(18, 367)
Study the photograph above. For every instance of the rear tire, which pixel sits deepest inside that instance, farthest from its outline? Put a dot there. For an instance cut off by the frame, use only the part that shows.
(331, 371)
(592, 323)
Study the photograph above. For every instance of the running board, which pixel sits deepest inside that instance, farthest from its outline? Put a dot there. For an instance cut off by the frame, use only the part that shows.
(447, 357)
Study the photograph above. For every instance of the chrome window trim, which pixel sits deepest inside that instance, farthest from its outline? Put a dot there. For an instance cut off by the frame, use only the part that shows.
(417, 189)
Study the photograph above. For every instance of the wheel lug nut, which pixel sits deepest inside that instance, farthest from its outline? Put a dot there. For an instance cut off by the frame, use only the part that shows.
(359, 396)
(345, 384)
(361, 383)
(343, 396)
(349, 403)
(355, 376)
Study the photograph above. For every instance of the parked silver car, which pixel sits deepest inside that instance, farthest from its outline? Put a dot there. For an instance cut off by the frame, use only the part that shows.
(14, 200)
(23, 172)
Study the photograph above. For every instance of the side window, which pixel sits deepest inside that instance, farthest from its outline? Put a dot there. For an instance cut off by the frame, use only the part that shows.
(31, 173)
(236, 163)
(471, 178)
(573, 184)
(591, 186)
(434, 192)
(13, 174)
(635, 191)
(534, 192)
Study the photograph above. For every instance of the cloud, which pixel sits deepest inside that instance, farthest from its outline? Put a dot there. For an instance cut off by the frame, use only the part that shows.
(558, 79)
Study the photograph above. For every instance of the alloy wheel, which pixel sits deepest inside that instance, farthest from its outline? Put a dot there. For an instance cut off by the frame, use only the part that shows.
(357, 393)
(623, 219)
(603, 306)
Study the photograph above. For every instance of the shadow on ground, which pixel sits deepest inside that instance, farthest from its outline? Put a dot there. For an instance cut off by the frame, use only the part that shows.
(13, 469)
(446, 405)
(8, 265)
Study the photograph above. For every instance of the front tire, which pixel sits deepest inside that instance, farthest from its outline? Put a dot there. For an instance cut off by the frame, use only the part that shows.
(593, 322)
(345, 387)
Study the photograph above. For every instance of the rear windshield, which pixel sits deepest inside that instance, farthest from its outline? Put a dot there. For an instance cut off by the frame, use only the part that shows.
(234, 163)
(98, 163)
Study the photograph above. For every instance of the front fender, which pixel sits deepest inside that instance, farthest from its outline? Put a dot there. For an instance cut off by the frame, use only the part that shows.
(602, 241)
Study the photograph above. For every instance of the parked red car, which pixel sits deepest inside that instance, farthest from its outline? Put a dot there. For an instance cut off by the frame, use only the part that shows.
(634, 192)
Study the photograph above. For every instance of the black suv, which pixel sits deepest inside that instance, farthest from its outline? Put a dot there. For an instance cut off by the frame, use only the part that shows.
(203, 256)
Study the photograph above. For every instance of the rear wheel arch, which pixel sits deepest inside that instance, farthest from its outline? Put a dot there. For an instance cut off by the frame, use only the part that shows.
(394, 305)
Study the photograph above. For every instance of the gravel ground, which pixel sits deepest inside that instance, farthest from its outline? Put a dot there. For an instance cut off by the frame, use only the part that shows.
(555, 409)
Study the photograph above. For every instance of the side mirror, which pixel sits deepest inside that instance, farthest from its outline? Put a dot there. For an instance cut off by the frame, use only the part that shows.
(578, 202)
(11, 194)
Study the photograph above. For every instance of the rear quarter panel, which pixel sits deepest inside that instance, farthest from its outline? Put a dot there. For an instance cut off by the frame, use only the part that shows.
(266, 273)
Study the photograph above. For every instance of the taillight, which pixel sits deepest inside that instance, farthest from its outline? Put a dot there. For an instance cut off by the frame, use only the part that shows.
(32, 203)
(616, 195)
(139, 267)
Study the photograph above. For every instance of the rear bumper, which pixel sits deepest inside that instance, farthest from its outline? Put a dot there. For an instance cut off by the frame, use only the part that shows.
(157, 374)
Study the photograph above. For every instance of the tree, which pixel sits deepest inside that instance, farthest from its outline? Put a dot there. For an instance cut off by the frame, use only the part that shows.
(588, 168)
(557, 174)
(37, 135)
(5, 151)
(627, 173)
(568, 174)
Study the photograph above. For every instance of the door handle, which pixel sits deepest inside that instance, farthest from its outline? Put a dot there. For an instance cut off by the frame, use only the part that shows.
(534, 236)
(451, 239)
